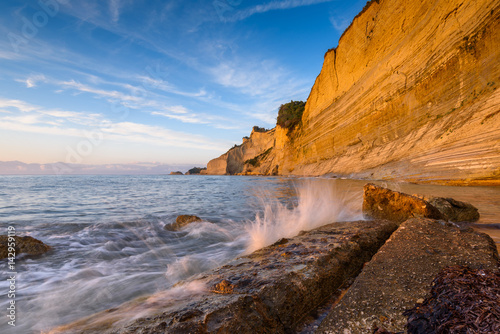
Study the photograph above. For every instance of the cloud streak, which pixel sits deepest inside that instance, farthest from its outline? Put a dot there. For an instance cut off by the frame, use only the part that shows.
(140, 98)
(35, 119)
(274, 5)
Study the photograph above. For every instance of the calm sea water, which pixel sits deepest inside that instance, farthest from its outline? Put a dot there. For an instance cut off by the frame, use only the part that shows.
(110, 245)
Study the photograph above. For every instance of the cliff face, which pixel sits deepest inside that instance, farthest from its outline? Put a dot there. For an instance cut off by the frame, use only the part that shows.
(411, 92)
(233, 161)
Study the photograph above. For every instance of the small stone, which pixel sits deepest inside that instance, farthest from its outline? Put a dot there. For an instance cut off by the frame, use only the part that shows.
(224, 286)
(182, 221)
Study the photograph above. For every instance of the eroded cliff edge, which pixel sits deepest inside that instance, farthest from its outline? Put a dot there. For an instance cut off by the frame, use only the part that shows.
(411, 92)
(246, 158)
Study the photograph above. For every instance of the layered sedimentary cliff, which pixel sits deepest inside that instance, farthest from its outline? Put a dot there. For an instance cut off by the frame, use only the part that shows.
(247, 157)
(411, 92)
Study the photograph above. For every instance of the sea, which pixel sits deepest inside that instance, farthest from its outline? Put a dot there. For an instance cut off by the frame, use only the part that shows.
(110, 245)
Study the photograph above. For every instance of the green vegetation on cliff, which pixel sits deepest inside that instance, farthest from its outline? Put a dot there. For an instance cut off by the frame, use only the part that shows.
(290, 114)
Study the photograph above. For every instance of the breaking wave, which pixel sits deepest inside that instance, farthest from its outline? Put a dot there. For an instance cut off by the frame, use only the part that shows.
(317, 202)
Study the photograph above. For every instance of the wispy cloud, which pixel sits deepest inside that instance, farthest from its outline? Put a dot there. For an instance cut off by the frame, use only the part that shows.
(181, 114)
(339, 22)
(8, 55)
(17, 104)
(32, 80)
(36, 119)
(114, 8)
(264, 81)
(113, 95)
(227, 93)
(251, 78)
(274, 5)
(39, 114)
(145, 100)
(160, 84)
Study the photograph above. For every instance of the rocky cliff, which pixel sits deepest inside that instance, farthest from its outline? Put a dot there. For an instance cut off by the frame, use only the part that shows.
(411, 92)
(247, 158)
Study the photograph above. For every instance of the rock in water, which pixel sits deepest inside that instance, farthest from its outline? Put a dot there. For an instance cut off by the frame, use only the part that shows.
(27, 245)
(195, 171)
(455, 211)
(182, 221)
(383, 203)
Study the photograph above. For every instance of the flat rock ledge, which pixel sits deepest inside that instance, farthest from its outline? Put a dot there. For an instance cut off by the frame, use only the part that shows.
(401, 274)
(269, 291)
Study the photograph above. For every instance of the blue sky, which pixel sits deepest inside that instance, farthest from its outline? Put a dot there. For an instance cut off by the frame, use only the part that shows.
(175, 82)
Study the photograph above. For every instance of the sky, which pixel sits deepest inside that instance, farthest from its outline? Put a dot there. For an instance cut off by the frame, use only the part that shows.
(157, 82)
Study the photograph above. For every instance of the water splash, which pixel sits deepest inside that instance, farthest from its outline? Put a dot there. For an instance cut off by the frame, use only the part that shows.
(318, 202)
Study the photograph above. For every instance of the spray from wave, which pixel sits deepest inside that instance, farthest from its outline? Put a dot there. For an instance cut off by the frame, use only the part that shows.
(318, 202)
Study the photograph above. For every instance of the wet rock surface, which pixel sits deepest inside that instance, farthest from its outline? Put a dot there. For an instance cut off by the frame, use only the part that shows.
(383, 203)
(182, 221)
(27, 245)
(269, 291)
(453, 210)
(401, 274)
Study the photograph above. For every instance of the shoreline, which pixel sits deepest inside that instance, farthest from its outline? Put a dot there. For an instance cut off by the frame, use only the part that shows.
(440, 182)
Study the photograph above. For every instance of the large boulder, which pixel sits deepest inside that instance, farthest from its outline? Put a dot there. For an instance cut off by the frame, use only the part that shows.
(27, 245)
(383, 203)
(182, 221)
(455, 211)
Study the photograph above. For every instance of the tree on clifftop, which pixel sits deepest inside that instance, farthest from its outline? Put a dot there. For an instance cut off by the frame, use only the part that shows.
(290, 114)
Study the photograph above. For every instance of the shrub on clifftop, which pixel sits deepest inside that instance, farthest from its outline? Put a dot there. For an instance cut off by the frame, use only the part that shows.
(289, 114)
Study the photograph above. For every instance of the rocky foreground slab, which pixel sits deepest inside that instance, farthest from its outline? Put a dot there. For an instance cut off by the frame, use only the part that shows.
(269, 291)
(401, 273)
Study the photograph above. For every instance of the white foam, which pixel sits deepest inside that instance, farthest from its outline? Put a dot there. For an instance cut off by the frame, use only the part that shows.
(320, 202)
